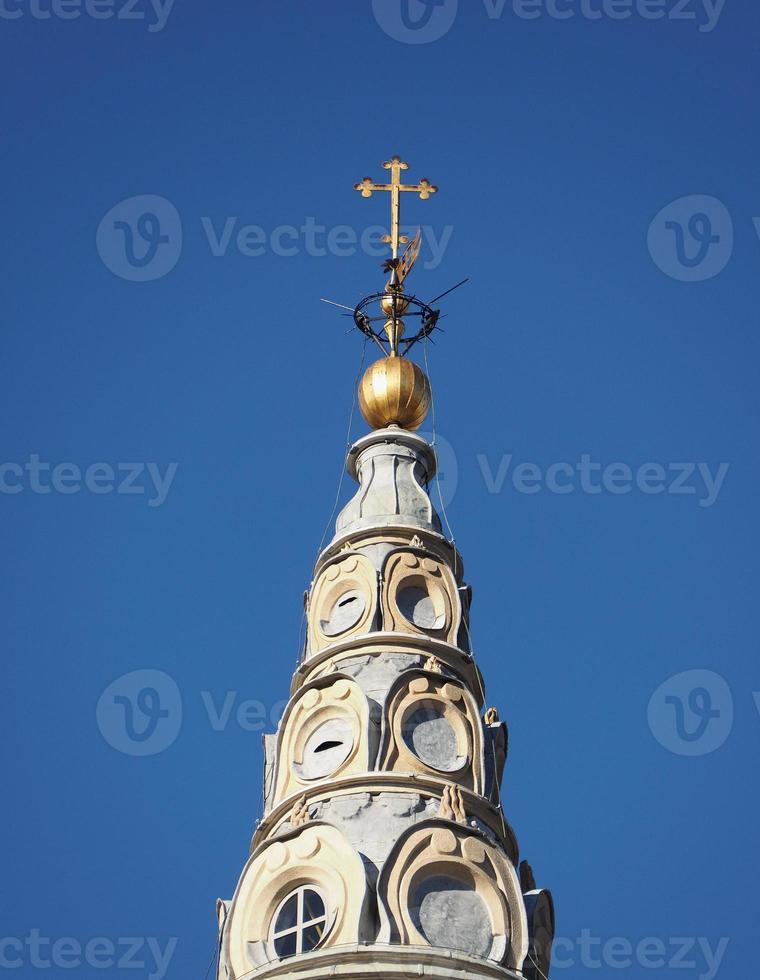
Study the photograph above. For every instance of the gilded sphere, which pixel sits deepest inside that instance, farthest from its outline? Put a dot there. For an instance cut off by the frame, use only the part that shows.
(392, 303)
(394, 391)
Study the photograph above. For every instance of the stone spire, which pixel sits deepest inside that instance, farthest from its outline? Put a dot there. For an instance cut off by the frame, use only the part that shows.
(384, 848)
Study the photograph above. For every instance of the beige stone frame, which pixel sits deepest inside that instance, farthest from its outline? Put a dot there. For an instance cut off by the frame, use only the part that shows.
(317, 855)
(326, 699)
(406, 568)
(444, 848)
(347, 573)
(416, 689)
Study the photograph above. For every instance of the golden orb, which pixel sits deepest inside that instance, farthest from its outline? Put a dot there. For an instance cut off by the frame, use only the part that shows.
(394, 391)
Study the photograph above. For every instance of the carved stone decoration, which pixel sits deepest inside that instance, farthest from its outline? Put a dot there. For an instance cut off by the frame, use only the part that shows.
(452, 805)
(420, 595)
(300, 814)
(496, 744)
(433, 665)
(539, 907)
(343, 602)
(222, 910)
(527, 878)
(324, 733)
(318, 855)
(446, 886)
(491, 716)
(433, 727)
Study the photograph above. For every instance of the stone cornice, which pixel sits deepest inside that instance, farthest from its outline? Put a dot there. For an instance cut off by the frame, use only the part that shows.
(396, 530)
(385, 782)
(376, 960)
(373, 644)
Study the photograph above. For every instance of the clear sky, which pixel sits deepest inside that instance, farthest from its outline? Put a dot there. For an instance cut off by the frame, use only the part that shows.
(178, 340)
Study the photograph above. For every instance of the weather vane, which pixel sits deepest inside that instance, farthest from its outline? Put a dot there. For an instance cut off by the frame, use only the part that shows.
(394, 390)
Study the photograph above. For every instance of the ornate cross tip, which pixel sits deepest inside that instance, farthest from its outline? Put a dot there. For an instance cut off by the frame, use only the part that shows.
(365, 186)
(426, 189)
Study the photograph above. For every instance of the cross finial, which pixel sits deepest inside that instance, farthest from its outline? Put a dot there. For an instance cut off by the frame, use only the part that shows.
(367, 187)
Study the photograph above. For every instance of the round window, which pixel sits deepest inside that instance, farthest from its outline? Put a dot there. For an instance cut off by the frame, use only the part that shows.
(328, 747)
(450, 913)
(345, 612)
(421, 606)
(300, 922)
(429, 734)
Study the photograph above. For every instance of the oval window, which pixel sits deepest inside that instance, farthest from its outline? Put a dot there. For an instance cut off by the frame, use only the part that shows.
(426, 609)
(344, 613)
(300, 923)
(327, 748)
(429, 734)
(450, 913)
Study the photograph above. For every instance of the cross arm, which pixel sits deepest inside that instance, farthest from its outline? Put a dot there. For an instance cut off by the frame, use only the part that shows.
(368, 187)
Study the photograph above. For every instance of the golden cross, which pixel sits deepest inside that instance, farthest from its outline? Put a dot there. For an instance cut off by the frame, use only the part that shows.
(424, 189)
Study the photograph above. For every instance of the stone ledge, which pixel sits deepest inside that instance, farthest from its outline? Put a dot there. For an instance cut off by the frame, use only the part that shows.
(384, 782)
(383, 642)
(400, 962)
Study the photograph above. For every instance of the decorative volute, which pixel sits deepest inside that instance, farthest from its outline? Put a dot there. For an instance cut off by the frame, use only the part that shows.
(383, 848)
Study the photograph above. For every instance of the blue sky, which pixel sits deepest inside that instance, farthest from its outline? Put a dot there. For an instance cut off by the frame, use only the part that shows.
(599, 183)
